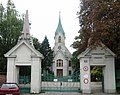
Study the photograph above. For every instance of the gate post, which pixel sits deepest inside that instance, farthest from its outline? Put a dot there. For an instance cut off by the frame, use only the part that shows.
(109, 76)
(11, 70)
(36, 75)
(85, 75)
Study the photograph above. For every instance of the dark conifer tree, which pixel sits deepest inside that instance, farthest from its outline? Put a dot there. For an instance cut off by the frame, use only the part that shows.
(45, 49)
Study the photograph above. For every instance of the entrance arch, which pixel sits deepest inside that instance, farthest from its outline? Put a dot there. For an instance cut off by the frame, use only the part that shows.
(97, 56)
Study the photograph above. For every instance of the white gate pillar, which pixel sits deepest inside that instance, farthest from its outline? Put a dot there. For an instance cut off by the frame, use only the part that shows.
(11, 70)
(109, 76)
(85, 75)
(36, 75)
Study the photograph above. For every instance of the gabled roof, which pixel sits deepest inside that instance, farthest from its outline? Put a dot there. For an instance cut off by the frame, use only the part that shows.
(59, 52)
(65, 50)
(83, 54)
(59, 28)
(38, 54)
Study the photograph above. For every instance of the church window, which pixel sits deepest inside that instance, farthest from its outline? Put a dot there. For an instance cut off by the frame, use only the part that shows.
(70, 72)
(59, 63)
(59, 39)
(69, 63)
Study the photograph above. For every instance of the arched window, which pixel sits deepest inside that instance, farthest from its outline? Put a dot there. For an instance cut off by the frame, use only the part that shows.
(59, 39)
(59, 63)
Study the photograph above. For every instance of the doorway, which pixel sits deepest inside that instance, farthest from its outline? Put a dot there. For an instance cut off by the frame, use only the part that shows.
(97, 78)
(59, 72)
(24, 78)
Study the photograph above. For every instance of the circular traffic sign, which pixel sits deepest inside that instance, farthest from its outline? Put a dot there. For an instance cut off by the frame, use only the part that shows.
(85, 68)
(86, 81)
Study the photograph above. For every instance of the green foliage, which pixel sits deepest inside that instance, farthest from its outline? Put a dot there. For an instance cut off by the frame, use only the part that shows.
(75, 61)
(45, 49)
(10, 27)
(96, 73)
(99, 21)
(36, 43)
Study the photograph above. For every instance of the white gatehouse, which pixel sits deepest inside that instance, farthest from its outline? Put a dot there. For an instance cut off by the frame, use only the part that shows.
(24, 54)
(97, 56)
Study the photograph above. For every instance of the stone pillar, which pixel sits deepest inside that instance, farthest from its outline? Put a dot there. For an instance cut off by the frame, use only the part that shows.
(65, 68)
(36, 75)
(11, 70)
(109, 76)
(85, 75)
(17, 74)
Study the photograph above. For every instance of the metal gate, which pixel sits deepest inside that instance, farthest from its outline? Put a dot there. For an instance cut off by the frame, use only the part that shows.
(24, 84)
(61, 84)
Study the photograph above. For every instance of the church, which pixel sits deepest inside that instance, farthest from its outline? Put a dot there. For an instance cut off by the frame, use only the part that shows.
(62, 56)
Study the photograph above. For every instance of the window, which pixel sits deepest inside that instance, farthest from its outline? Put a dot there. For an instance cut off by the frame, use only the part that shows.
(70, 72)
(59, 63)
(69, 63)
(59, 39)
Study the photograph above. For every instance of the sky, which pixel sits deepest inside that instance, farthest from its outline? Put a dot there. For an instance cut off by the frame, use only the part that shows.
(44, 17)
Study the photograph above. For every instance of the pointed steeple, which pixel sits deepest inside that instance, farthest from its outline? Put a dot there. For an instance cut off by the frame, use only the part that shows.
(26, 25)
(26, 31)
(59, 28)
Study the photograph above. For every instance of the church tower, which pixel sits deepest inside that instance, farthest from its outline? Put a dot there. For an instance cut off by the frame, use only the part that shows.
(62, 56)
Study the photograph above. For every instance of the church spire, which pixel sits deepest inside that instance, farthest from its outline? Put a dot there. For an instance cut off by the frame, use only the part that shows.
(59, 28)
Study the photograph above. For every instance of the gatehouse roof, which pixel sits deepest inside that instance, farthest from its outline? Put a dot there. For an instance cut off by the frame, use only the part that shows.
(38, 54)
(104, 48)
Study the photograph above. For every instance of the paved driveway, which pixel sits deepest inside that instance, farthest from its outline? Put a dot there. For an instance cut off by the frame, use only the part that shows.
(70, 93)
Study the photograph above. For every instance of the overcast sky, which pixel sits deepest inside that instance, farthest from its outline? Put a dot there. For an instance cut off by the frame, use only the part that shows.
(44, 16)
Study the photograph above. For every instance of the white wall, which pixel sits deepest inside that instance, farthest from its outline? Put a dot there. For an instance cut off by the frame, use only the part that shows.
(109, 76)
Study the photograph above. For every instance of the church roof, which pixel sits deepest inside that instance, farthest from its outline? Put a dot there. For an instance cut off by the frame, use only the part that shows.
(59, 52)
(59, 28)
(64, 51)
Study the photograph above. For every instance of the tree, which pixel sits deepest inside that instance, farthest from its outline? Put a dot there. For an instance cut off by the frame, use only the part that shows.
(75, 61)
(10, 26)
(36, 43)
(45, 49)
(99, 21)
(1, 12)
